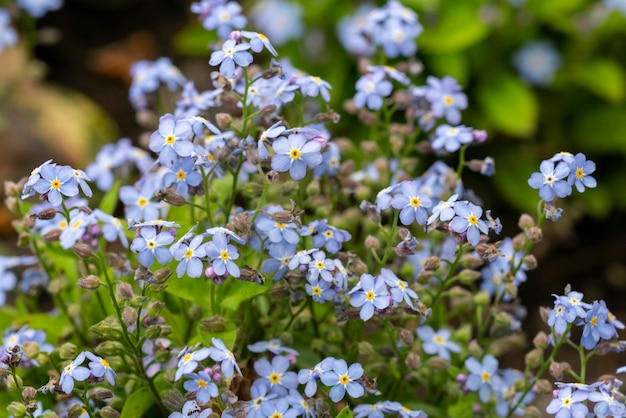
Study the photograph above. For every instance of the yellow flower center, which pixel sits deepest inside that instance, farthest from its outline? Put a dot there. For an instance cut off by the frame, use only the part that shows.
(439, 340)
(320, 265)
(170, 139)
(280, 225)
(224, 255)
(580, 173)
(188, 253)
(447, 99)
(142, 201)
(180, 175)
(294, 154)
(76, 224)
(277, 415)
(485, 376)
(344, 379)
(201, 383)
(187, 358)
(594, 321)
(263, 37)
(369, 296)
(317, 290)
(104, 363)
(472, 219)
(151, 244)
(415, 202)
(274, 378)
(55, 184)
(328, 233)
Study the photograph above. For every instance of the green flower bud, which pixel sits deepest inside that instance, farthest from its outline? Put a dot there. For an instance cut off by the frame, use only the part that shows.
(108, 412)
(129, 316)
(16, 409)
(540, 340)
(534, 358)
(13, 383)
(482, 298)
(467, 276)
(110, 348)
(437, 363)
(67, 351)
(101, 394)
(75, 410)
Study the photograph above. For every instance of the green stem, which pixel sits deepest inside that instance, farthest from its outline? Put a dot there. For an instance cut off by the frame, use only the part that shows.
(266, 188)
(391, 235)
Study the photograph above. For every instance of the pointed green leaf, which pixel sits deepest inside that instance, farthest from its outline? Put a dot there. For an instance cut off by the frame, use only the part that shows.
(602, 77)
(194, 290)
(137, 403)
(234, 292)
(194, 40)
(110, 198)
(345, 413)
(509, 104)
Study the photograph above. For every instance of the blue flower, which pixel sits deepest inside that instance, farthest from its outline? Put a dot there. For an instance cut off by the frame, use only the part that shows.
(551, 181)
(606, 404)
(597, 326)
(446, 98)
(467, 220)
(537, 62)
(112, 228)
(73, 372)
(437, 342)
(295, 154)
(149, 245)
(320, 290)
(368, 294)
(308, 377)
(231, 54)
(399, 289)
(581, 168)
(483, 376)
(276, 375)
(222, 253)
(273, 346)
(313, 86)
(330, 237)
(320, 266)
(343, 379)
(569, 404)
(101, 368)
(203, 386)
(79, 221)
(220, 353)
(171, 139)
(190, 256)
(412, 202)
(279, 263)
(56, 181)
(223, 18)
(331, 161)
(444, 210)
(191, 409)
(371, 88)
(277, 232)
(560, 315)
(451, 138)
(280, 20)
(259, 396)
(278, 408)
(8, 37)
(188, 360)
(184, 175)
(258, 41)
(39, 8)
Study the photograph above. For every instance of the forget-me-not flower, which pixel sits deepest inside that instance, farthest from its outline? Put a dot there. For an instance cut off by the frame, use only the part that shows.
(231, 54)
(467, 220)
(74, 371)
(551, 180)
(202, 384)
(343, 379)
(580, 170)
(101, 368)
(371, 88)
(308, 377)
(149, 245)
(221, 354)
(55, 182)
(452, 137)
(275, 375)
(446, 98)
(222, 253)
(437, 342)
(537, 62)
(295, 154)
(190, 256)
(569, 403)
(483, 376)
(171, 139)
(188, 360)
(369, 293)
(412, 202)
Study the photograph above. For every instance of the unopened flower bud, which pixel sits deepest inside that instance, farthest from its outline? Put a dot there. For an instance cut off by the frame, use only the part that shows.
(424, 277)
(29, 393)
(16, 409)
(90, 282)
(556, 370)
(82, 250)
(413, 361)
(327, 117)
(75, 410)
(475, 349)
(540, 340)
(470, 261)
(467, 276)
(502, 319)
(372, 242)
(431, 263)
(110, 348)
(519, 242)
(221, 81)
(366, 117)
(124, 290)
(544, 386)
(223, 120)
(525, 222)
(534, 234)
(108, 412)
(67, 351)
(532, 411)
(437, 363)
(407, 337)
(544, 313)
(511, 290)
(268, 109)
(530, 262)
(279, 292)
(366, 351)
(534, 358)
(129, 316)
(101, 394)
(162, 274)
(272, 176)
(47, 214)
(52, 235)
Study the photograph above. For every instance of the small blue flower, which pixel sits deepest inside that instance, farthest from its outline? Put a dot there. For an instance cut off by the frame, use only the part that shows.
(412, 202)
(56, 181)
(483, 377)
(259, 396)
(273, 346)
(184, 175)
(258, 41)
(149, 245)
(537, 62)
(320, 290)
(79, 221)
(437, 342)
(202, 384)
(313, 86)
(220, 353)
(171, 139)
(191, 409)
(581, 168)
(308, 377)
(343, 379)
(606, 404)
(452, 137)
(399, 289)
(39, 8)
(446, 98)
(278, 408)
(295, 154)
(279, 263)
(467, 220)
(231, 54)
(188, 360)
(597, 326)
(330, 237)
(320, 266)
(223, 18)
(551, 181)
(112, 228)
(444, 210)
(368, 294)
(280, 20)
(190, 257)
(569, 404)
(371, 88)
(276, 375)
(74, 371)
(560, 316)
(222, 253)
(101, 368)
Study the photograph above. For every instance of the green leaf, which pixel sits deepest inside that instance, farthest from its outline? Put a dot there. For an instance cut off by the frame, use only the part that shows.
(602, 77)
(463, 409)
(194, 40)
(345, 413)
(110, 199)
(454, 64)
(458, 28)
(546, 10)
(137, 403)
(228, 336)
(509, 104)
(515, 167)
(234, 292)
(194, 290)
(52, 326)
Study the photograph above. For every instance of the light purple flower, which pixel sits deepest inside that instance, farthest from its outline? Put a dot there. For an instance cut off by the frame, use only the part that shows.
(171, 139)
(343, 379)
(73, 372)
(295, 154)
(371, 88)
(551, 181)
(467, 220)
(231, 54)
(369, 293)
(222, 253)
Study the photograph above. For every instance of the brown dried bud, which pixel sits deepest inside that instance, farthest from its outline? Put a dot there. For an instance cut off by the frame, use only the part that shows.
(519, 241)
(129, 316)
(28, 221)
(326, 117)
(367, 118)
(221, 81)
(162, 274)
(90, 282)
(82, 250)
(471, 261)
(544, 312)
(431, 263)
(29, 393)
(424, 277)
(525, 221)
(532, 412)
(556, 370)
(268, 109)
(101, 394)
(540, 340)
(52, 235)
(534, 358)
(370, 147)
(46, 214)
(108, 412)
(168, 196)
(489, 251)
(544, 386)
(534, 234)
(371, 242)
(75, 410)
(407, 337)
(272, 176)
(437, 363)
(213, 324)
